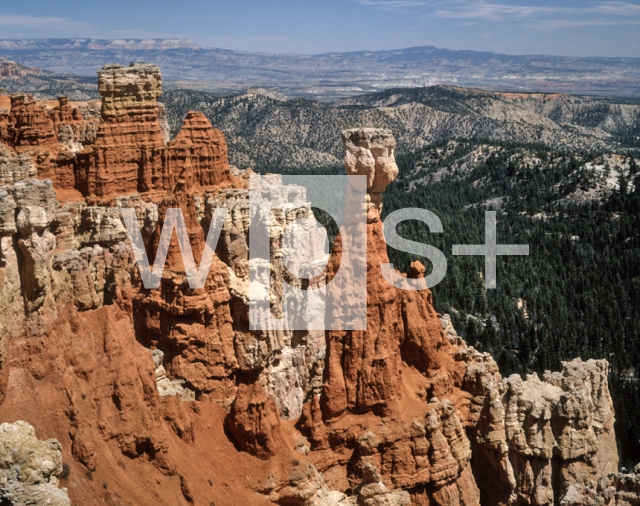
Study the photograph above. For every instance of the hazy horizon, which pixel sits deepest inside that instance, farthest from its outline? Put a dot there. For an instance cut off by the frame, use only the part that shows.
(202, 46)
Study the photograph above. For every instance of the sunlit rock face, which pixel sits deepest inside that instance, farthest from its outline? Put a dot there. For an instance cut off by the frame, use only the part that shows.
(409, 397)
(30, 469)
(118, 148)
(166, 396)
(370, 153)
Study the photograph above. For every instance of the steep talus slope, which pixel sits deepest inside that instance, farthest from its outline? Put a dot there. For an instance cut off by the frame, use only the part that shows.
(167, 397)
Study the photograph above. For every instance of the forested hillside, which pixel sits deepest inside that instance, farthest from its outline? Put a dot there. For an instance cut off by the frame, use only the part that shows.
(575, 295)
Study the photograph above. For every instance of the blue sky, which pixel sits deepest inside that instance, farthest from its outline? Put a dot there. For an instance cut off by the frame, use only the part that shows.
(566, 27)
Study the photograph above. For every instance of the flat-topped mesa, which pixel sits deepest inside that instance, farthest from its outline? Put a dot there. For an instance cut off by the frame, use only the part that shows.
(369, 152)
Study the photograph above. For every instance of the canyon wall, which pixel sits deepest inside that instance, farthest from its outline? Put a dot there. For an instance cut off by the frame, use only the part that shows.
(166, 397)
(120, 147)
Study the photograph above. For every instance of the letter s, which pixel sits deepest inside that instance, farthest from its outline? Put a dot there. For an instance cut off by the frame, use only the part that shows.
(436, 256)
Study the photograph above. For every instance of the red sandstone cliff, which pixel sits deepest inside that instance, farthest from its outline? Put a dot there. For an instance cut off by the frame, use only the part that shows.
(165, 397)
(199, 152)
(123, 149)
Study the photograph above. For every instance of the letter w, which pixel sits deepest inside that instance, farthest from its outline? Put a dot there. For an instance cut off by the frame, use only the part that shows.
(173, 219)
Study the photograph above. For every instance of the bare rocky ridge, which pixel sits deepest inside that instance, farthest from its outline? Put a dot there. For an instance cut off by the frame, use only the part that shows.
(166, 397)
(15, 77)
(264, 132)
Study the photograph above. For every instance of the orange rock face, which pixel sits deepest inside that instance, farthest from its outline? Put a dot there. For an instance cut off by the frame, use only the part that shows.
(127, 153)
(30, 124)
(30, 130)
(166, 397)
(380, 383)
(199, 152)
(193, 327)
(254, 421)
(49, 137)
(123, 150)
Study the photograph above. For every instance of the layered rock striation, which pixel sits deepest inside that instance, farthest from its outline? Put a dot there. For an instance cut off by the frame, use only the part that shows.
(409, 397)
(127, 153)
(116, 149)
(167, 397)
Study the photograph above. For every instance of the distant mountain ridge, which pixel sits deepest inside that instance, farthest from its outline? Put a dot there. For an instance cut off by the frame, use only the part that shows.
(266, 132)
(12, 69)
(618, 120)
(267, 129)
(44, 84)
(332, 76)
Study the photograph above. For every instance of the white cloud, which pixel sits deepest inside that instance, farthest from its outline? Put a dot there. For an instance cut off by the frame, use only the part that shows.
(568, 23)
(482, 9)
(37, 27)
(48, 23)
(617, 8)
(392, 5)
(497, 11)
(591, 15)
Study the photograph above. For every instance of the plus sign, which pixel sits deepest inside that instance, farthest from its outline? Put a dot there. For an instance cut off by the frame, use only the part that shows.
(490, 249)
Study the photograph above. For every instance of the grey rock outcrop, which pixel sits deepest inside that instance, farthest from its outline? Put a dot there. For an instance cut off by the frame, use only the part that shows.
(167, 386)
(370, 152)
(618, 489)
(122, 87)
(372, 492)
(547, 440)
(103, 224)
(35, 204)
(15, 167)
(29, 468)
(291, 362)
